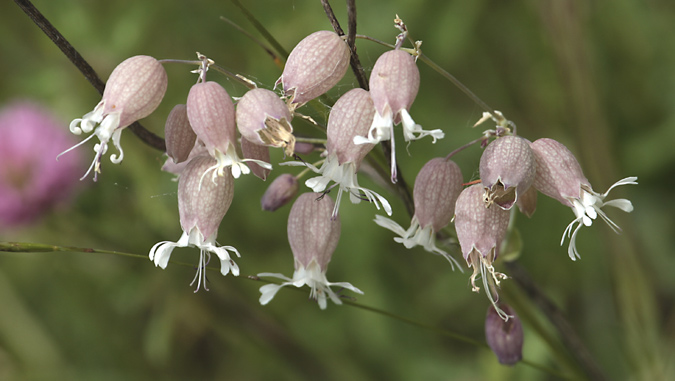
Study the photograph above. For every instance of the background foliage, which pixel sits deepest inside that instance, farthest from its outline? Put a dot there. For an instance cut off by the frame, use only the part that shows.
(597, 76)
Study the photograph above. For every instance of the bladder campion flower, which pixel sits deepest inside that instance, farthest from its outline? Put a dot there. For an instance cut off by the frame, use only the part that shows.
(134, 90)
(313, 235)
(202, 206)
(559, 176)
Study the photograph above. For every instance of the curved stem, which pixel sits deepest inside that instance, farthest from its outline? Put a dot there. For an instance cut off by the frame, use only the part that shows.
(74, 56)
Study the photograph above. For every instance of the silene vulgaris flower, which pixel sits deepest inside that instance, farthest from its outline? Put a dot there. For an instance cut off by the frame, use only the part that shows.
(313, 236)
(437, 187)
(212, 116)
(133, 91)
(202, 206)
(394, 83)
(350, 117)
(559, 176)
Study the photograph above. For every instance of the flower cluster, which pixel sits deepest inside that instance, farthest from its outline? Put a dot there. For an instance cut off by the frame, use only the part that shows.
(213, 139)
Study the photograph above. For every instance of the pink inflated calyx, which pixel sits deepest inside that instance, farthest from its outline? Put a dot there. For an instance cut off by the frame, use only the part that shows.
(437, 187)
(133, 91)
(314, 66)
(350, 117)
(559, 176)
(313, 235)
(201, 206)
(507, 170)
(178, 134)
(480, 231)
(212, 117)
(394, 83)
(258, 153)
(264, 119)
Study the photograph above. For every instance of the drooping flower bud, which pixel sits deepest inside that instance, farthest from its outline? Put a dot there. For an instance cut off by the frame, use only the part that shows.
(437, 186)
(507, 169)
(133, 91)
(211, 114)
(350, 116)
(480, 231)
(178, 134)
(527, 202)
(258, 153)
(202, 206)
(313, 235)
(559, 176)
(303, 148)
(31, 181)
(505, 337)
(394, 83)
(280, 192)
(264, 119)
(314, 66)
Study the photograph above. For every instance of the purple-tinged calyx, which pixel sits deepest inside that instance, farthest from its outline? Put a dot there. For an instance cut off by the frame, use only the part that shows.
(202, 206)
(280, 192)
(313, 235)
(437, 186)
(480, 231)
(507, 170)
(257, 153)
(559, 176)
(505, 337)
(314, 66)
(211, 114)
(133, 91)
(178, 134)
(264, 119)
(394, 83)
(350, 116)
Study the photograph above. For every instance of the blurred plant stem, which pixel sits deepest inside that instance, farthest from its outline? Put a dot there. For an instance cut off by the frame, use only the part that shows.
(26, 247)
(74, 56)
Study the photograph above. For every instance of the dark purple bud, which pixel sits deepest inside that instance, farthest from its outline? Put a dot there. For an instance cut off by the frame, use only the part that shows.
(280, 192)
(507, 170)
(505, 338)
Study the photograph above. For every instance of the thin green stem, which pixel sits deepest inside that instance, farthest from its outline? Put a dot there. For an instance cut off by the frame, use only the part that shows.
(261, 29)
(275, 57)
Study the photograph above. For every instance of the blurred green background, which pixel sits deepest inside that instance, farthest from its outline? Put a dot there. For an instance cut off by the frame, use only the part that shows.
(598, 76)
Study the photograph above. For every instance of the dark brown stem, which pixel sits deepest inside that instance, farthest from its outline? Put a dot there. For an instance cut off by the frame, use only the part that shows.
(568, 335)
(74, 56)
(400, 185)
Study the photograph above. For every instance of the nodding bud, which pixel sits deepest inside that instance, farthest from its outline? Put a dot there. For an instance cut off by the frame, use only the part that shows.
(203, 204)
(264, 119)
(505, 338)
(527, 202)
(280, 192)
(394, 83)
(211, 114)
(507, 170)
(312, 232)
(314, 66)
(135, 89)
(351, 116)
(254, 151)
(437, 186)
(178, 134)
(559, 174)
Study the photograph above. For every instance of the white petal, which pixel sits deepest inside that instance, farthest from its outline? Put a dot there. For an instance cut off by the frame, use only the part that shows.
(621, 203)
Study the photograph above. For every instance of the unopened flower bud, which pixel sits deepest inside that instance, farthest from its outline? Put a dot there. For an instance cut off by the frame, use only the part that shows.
(507, 170)
(304, 148)
(527, 202)
(505, 337)
(133, 91)
(480, 231)
(257, 152)
(280, 192)
(264, 119)
(559, 176)
(178, 134)
(314, 66)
